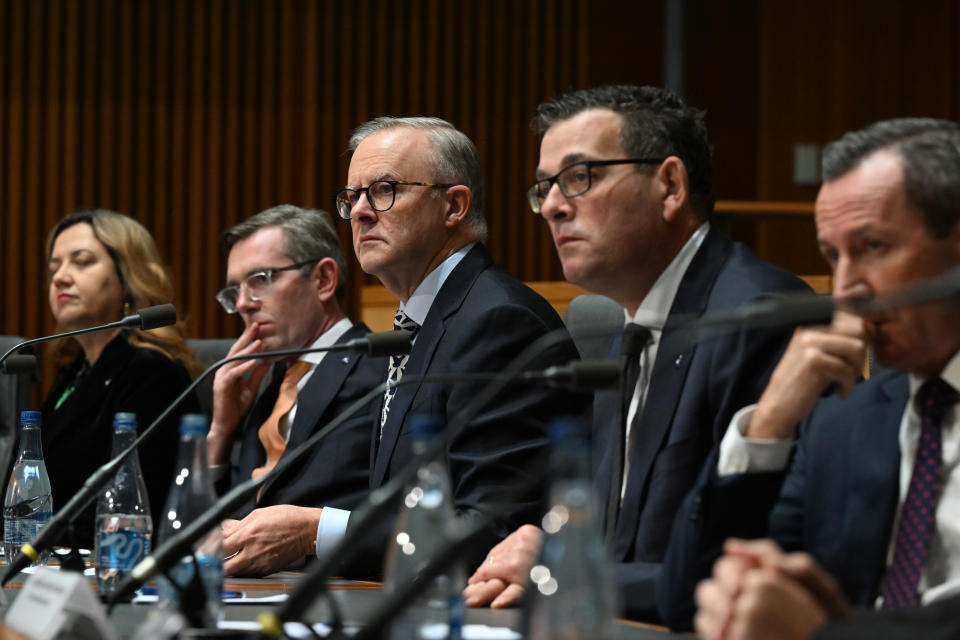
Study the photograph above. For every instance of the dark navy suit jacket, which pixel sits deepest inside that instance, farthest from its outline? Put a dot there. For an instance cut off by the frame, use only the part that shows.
(695, 389)
(481, 318)
(336, 472)
(836, 502)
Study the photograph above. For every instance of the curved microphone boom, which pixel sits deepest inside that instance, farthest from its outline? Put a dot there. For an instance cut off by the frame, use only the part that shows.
(148, 318)
(373, 344)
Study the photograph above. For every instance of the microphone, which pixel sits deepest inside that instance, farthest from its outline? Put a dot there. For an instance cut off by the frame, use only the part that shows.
(161, 315)
(99, 479)
(181, 543)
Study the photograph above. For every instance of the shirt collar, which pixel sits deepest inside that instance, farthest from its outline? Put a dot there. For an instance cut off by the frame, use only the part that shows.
(420, 302)
(653, 311)
(950, 375)
(327, 338)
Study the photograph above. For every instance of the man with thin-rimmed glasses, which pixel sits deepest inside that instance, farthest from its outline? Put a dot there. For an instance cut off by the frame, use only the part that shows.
(624, 183)
(285, 275)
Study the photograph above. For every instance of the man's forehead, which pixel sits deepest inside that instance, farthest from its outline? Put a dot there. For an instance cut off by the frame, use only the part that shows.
(593, 134)
(260, 250)
(870, 195)
(391, 153)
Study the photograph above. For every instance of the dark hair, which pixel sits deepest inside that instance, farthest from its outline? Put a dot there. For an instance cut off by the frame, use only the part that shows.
(929, 151)
(656, 123)
(307, 234)
(455, 158)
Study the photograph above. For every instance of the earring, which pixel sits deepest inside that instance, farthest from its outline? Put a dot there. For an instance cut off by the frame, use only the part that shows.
(126, 308)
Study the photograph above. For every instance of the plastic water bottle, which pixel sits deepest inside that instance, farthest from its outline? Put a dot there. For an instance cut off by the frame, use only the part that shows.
(425, 523)
(573, 592)
(191, 493)
(124, 525)
(28, 503)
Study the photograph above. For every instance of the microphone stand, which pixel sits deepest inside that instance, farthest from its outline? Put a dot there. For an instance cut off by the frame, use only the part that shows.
(99, 480)
(148, 318)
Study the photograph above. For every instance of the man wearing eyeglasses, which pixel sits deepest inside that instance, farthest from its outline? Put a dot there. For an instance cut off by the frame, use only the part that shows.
(414, 201)
(624, 183)
(285, 274)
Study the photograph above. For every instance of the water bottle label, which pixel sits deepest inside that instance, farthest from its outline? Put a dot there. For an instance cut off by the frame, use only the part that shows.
(19, 531)
(122, 549)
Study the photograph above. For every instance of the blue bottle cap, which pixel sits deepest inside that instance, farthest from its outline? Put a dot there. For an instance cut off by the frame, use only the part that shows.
(30, 418)
(424, 426)
(124, 421)
(193, 424)
(567, 430)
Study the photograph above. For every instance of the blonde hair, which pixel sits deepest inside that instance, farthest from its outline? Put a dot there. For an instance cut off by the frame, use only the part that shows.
(144, 278)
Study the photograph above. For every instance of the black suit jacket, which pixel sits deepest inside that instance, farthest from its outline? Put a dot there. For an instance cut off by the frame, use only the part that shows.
(77, 437)
(837, 501)
(694, 391)
(336, 472)
(480, 320)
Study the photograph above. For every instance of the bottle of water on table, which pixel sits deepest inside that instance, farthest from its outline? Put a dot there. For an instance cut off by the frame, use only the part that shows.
(191, 494)
(124, 525)
(28, 504)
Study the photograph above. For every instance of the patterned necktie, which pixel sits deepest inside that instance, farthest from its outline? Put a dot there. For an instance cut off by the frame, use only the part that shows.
(270, 437)
(917, 518)
(635, 339)
(400, 323)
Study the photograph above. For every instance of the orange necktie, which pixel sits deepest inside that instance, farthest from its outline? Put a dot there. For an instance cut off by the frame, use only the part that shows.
(273, 442)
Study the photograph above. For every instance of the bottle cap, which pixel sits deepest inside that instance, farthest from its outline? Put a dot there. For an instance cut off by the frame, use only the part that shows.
(567, 430)
(30, 418)
(424, 426)
(124, 421)
(193, 424)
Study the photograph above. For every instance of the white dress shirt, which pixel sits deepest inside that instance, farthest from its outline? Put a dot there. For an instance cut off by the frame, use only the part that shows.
(652, 314)
(333, 522)
(941, 575)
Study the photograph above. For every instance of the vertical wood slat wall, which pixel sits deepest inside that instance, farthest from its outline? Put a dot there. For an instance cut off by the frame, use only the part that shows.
(192, 115)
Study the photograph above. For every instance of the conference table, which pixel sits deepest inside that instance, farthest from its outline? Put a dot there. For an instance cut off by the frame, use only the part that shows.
(356, 601)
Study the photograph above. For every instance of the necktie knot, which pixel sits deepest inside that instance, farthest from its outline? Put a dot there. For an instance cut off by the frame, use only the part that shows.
(934, 398)
(403, 322)
(635, 339)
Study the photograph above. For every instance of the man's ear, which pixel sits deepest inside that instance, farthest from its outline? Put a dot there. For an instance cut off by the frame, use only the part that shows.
(459, 198)
(327, 278)
(674, 187)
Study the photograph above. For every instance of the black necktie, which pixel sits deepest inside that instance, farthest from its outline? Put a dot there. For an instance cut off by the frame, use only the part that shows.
(635, 339)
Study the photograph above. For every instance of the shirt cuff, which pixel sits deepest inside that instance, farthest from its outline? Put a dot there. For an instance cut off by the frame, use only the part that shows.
(331, 529)
(217, 471)
(739, 454)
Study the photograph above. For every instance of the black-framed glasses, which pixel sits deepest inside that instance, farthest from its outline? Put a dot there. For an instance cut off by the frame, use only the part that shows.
(380, 194)
(256, 285)
(575, 180)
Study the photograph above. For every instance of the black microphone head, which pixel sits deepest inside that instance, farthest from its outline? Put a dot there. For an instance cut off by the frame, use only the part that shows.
(22, 363)
(161, 315)
(386, 343)
(584, 374)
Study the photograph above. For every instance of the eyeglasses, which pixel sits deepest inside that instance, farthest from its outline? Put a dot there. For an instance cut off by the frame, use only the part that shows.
(575, 179)
(256, 285)
(380, 194)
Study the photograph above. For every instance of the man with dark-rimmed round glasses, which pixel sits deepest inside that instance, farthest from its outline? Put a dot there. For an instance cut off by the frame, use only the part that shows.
(285, 276)
(413, 197)
(624, 183)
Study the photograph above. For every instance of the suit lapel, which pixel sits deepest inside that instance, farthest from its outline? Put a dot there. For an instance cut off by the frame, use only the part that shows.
(447, 302)
(873, 472)
(666, 383)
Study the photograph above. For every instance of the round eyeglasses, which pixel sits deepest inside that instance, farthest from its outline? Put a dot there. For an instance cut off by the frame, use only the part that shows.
(256, 285)
(380, 194)
(575, 180)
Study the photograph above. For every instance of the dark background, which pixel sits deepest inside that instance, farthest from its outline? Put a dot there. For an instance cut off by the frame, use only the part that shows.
(191, 115)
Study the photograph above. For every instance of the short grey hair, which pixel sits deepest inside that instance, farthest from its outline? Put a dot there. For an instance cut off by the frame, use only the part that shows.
(307, 234)
(455, 158)
(929, 150)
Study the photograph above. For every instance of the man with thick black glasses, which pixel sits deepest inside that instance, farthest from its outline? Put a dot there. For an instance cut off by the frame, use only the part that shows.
(413, 199)
(285, 275)
(624, 183)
